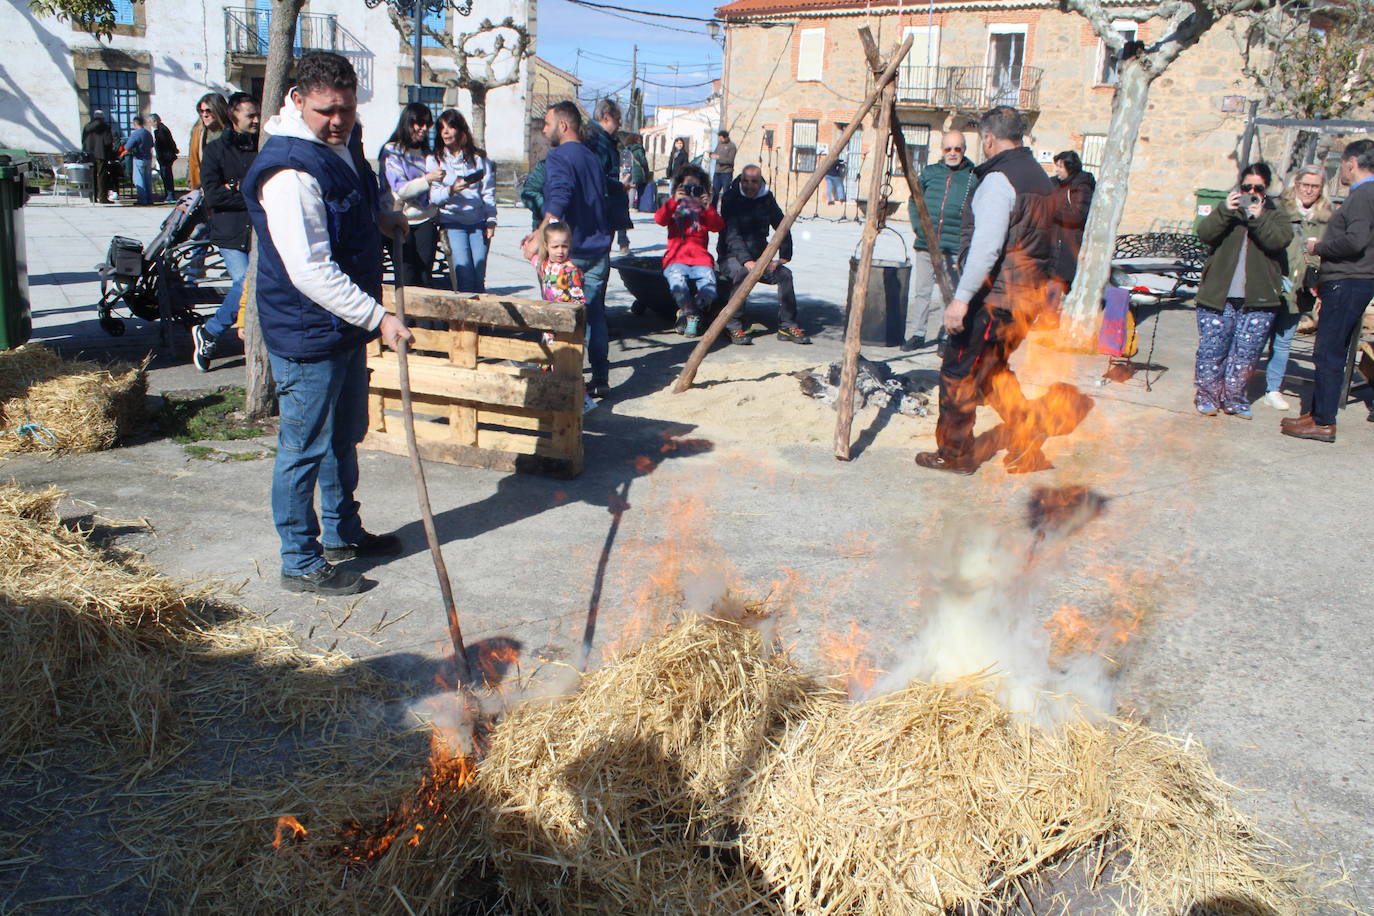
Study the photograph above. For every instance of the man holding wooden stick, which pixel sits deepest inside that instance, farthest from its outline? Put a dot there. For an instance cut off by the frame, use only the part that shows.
(313, 201)
(1006, 249)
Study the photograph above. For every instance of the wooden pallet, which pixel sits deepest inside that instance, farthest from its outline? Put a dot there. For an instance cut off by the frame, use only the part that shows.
(481, 396)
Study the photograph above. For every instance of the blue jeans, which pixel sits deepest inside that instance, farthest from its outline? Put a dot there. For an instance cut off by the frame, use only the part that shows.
(1343, 305)
(705, 277)
(720, 183)
(323, 418)
(236, 263)
(143, 180)
(468, 248)
(595, 272)
(1285, 325)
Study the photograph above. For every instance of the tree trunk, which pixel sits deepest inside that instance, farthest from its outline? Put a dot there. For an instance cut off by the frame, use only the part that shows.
(259, 397)
(1084, 302)
(479, 114)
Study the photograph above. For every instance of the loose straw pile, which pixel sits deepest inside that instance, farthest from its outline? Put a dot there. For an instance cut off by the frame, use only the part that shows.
(51, 404)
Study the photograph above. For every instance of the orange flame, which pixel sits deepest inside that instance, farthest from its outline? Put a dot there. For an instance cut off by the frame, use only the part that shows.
(287, 823)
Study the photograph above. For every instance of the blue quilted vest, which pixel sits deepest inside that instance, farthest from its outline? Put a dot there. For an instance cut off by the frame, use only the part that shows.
(293, 326)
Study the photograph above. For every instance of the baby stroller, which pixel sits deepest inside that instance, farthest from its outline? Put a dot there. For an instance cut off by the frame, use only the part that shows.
(155, 282)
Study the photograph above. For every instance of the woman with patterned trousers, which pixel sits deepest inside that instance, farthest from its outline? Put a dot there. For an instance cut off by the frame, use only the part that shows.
(1240, 292)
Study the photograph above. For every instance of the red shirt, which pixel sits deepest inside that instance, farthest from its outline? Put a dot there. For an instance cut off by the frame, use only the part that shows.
(690, 224)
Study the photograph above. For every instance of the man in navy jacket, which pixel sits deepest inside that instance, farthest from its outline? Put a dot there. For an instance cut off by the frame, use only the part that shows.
(313, 202)
(575, 193)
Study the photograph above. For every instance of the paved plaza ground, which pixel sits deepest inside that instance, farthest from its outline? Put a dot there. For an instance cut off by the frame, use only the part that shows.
(1245, 550)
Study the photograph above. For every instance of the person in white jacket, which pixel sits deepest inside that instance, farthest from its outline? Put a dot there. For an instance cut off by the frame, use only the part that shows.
(466, 197)
(408, 169)
(315, 207)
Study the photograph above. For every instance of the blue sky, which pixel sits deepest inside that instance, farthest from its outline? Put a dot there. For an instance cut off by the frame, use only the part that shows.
(606, 43)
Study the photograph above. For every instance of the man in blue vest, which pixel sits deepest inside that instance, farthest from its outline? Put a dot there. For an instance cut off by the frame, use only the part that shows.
(313, 202)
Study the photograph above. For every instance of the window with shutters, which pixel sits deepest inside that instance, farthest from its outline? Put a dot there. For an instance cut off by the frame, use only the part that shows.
(1107, 61)
(810, 55)
(919, 79)
(1094, 150)
(804, 139)
(124, 12)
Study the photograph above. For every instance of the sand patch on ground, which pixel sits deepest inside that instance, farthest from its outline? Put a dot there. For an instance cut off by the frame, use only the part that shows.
(759, 403)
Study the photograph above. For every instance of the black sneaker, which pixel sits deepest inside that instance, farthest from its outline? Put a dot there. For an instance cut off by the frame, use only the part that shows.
(740, 336)
(327, 580)
(204, 348)
(599, 390)
(793, 334)
(911, 344)
(371, 545)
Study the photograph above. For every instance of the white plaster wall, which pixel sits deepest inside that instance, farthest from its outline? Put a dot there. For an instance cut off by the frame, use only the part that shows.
(39, 109)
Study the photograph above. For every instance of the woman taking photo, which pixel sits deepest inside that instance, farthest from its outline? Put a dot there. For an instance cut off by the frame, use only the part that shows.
(407, 169)
(466, 197)
(1241, 289)
(1305, 204)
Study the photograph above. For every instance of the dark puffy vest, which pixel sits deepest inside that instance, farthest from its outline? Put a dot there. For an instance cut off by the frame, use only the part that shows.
(1016, 282)
(293, 326)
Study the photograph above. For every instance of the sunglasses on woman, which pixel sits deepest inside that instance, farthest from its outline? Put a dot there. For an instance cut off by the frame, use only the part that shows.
(1253, 188)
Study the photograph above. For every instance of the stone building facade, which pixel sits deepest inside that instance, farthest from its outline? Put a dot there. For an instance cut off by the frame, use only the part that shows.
(795, 73)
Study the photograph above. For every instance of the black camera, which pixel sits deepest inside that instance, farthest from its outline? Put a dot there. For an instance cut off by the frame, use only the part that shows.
(694, 190)
(1249, 200)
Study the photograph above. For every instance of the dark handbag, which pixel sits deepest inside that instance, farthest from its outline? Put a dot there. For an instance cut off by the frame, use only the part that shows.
(1311, 278)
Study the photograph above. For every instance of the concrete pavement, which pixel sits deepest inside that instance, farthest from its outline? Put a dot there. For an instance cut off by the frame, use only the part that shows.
(1244, 546)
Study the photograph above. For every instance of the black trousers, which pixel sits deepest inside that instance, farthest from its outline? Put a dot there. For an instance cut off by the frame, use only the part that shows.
(168, 183)
(781, 278)
(975, 371)
(413, 259)
(100, 180)
(1343, 305)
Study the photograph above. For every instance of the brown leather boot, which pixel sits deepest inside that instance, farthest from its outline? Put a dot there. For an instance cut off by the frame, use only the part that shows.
(1286, 422)
(1307, 428)
(937, 462)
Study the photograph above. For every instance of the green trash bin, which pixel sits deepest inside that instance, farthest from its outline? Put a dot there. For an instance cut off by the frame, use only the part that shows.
(16, 321)
(1208, 199)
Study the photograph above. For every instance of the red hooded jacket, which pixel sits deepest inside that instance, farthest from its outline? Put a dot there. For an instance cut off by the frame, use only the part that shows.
(690, 224)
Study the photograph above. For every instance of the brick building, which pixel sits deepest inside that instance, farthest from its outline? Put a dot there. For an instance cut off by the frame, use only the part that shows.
(795, 72)
(549, 85)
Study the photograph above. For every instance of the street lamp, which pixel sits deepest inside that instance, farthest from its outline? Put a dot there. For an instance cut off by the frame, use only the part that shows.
(417, 9)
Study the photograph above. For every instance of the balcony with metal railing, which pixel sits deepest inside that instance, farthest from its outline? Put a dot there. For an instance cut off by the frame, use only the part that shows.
(969, 89)
(247, 32)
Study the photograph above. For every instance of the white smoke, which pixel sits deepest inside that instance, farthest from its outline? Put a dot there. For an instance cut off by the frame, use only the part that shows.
(986, 620)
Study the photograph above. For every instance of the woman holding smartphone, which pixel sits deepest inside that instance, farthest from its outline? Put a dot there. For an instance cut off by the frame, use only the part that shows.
(466, 197)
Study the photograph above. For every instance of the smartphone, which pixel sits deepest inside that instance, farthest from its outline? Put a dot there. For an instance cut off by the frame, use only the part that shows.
(475, 176)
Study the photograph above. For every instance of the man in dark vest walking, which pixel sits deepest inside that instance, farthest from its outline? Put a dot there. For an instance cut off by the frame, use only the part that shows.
(1006, 247)
(313, 202)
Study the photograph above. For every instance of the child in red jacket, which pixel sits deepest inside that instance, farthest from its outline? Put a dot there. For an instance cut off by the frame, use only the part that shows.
(690, 220)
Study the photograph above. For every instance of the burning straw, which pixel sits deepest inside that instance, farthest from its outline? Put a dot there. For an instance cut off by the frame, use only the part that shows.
(51, 404)
(698, 775)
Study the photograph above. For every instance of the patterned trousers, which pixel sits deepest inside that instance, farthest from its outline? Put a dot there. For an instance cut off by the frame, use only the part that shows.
(1229, 345)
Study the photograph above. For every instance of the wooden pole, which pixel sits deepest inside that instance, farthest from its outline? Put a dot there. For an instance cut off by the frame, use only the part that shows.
(858, 294)
(741, 293)
(937, 260)
(455, 632)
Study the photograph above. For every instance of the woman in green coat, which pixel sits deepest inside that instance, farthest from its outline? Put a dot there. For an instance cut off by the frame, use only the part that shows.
(1308, 211)
(1241, 289)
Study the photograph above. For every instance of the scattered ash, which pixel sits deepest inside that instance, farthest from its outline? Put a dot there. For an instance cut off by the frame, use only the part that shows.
(876, 386)
(1063, 510)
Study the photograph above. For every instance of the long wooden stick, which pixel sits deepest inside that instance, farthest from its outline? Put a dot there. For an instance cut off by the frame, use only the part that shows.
(455, 632)
(858, 294)
(741, 293)
(918, 197)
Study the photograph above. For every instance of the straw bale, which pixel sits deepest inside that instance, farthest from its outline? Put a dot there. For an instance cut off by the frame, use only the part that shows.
(85, 406)
(616, 800)
(77, 629)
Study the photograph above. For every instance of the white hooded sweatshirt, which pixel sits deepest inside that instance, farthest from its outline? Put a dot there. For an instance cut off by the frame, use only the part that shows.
(297, 221)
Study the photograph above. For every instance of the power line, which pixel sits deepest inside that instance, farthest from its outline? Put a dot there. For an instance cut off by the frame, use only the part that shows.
(626, 9)
(643, 65)
(677, 86)
(652, 25)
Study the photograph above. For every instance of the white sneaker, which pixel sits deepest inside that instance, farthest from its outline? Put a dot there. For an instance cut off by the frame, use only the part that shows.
(1275, 400)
